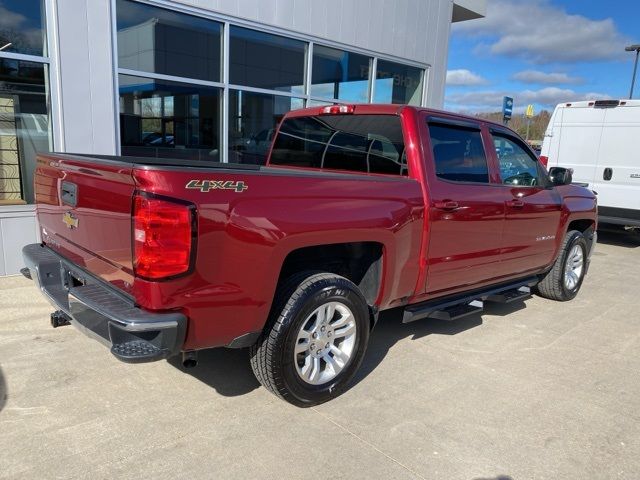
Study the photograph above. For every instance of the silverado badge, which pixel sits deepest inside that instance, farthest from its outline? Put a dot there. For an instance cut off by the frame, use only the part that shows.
(69, 220)
(206, 186)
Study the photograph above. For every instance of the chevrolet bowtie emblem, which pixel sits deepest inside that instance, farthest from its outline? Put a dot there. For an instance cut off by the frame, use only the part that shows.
(69, 220)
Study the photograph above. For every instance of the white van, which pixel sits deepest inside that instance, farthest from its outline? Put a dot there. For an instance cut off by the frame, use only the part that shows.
(600, 141)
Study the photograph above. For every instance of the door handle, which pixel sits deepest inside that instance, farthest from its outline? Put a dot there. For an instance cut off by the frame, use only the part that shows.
(515, 203)
(446, 205)
(608, 173)
(69, 194)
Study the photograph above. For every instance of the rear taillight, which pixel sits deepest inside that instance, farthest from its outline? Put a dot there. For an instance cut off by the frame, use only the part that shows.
(544, 160)
(163, 236)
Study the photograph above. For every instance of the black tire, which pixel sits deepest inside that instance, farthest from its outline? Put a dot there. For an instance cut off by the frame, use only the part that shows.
(272, 357)
(552, 285)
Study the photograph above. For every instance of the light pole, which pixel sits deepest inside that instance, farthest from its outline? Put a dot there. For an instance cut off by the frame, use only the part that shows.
(633, 48)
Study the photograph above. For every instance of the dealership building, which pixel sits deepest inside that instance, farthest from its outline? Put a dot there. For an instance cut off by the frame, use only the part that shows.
(196, 79)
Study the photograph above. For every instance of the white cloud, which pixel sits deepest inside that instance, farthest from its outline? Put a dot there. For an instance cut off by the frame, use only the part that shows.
(542, 33)
(536, 76)
(463, 77)
(9, 19)
(491, 100)
(14, 30)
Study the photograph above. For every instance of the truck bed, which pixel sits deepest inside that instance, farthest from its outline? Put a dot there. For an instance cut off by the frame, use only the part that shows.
(243, 236)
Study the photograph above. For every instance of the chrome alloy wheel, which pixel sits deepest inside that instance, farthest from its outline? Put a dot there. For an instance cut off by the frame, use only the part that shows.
(325, 343)
(573, 267)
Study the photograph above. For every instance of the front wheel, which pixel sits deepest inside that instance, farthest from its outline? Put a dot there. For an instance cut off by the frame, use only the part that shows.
(565, 278)
(315, 339)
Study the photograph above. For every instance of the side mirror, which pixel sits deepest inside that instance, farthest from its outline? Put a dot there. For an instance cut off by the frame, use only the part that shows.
(560, 176)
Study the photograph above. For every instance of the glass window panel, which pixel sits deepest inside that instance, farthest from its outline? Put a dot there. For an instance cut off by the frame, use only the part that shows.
(360, 143)
(458, 154)
(262, 60)
(24, 127)
(517, 165)
(339, 74)
(319, 103)
(397, 83)
(157, 40)
(22, 27)
(301, 142)
(169, 119)
(253, 118)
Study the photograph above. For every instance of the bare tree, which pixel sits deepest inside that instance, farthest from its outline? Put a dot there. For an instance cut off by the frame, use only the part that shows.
(518, 123)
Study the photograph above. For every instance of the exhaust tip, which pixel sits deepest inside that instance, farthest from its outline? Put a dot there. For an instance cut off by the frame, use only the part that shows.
(189, 359)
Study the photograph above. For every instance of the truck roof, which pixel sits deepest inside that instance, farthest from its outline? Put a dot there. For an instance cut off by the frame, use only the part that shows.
(385, 109)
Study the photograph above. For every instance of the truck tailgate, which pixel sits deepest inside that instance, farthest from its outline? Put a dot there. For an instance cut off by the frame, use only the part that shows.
(84, 210)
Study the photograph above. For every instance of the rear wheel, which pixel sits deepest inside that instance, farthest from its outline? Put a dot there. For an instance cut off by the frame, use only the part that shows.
(565, 278)
(315, 340)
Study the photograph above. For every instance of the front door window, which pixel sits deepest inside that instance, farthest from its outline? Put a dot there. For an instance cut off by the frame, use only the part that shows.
(517, 167)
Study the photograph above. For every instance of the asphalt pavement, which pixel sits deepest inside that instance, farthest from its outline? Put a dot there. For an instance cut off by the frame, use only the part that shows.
(535, 390)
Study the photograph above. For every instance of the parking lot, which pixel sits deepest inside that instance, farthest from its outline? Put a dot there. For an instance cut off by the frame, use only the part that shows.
(537, 390)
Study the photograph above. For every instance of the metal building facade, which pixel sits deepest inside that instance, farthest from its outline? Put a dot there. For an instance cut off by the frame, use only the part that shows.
(81, 61)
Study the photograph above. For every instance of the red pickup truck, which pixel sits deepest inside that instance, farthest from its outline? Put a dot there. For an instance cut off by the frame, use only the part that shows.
(360, 209)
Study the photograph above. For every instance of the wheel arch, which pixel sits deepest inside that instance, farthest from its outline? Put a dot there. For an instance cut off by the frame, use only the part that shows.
(587, 227)
(363, 263)
(581, 225)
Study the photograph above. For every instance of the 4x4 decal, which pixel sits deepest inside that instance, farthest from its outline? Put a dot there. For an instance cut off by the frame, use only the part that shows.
(206, 186)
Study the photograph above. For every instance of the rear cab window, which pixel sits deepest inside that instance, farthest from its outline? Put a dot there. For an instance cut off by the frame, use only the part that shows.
(365, 143)
(458, 153)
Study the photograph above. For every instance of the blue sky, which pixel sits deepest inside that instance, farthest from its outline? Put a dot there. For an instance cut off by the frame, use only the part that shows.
(542, 52)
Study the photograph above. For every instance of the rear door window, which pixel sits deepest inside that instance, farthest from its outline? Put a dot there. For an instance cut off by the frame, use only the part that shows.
(458, 153)
(356, 143)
